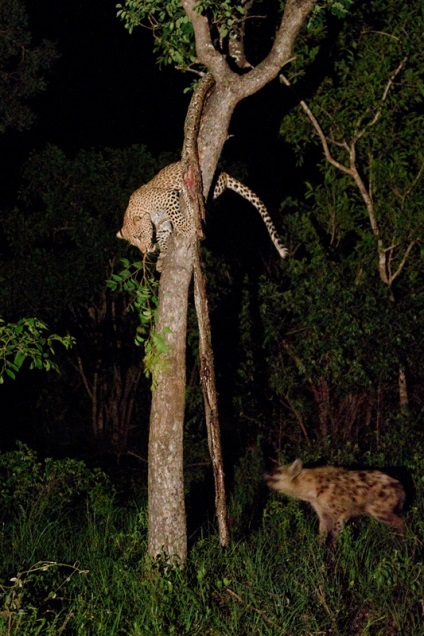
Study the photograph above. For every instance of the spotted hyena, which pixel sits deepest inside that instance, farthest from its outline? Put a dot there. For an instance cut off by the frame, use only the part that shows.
(337, 494)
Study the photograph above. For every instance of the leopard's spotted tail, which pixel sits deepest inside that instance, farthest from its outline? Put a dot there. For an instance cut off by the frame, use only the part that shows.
(226, 181)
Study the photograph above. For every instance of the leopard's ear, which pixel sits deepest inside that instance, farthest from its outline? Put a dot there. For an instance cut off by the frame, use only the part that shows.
(119, 235)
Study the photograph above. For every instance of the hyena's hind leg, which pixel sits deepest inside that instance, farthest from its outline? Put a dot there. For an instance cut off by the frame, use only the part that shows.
(388, 509)
(389, 518)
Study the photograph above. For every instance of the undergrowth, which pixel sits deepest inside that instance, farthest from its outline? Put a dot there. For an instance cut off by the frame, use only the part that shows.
(73, 562)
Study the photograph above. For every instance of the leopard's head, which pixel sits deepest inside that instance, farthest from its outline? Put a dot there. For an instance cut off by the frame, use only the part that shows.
(138, 241)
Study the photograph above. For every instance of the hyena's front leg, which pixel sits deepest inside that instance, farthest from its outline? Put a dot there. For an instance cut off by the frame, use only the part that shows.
(338, 527)
(326, 524)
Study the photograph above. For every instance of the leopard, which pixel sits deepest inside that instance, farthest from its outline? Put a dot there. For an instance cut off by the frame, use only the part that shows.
(154, 210)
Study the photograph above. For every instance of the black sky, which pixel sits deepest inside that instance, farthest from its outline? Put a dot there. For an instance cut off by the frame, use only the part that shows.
(106, 88)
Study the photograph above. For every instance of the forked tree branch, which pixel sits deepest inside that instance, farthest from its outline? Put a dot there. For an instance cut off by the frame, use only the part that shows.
(401, 265)
(385, 255)
(293, 19)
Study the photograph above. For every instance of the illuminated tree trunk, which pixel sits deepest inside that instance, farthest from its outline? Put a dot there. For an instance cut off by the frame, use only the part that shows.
(167, 519)
(167, 524)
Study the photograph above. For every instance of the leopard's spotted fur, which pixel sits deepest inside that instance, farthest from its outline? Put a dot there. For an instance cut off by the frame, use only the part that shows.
(157, 205)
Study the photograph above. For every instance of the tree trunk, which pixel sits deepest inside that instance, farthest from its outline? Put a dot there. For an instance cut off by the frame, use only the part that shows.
(167, 521)
(166, 506)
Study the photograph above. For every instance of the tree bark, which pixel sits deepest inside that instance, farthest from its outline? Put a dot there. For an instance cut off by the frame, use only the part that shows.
(167, 534)
(210, 397)
(193, 205)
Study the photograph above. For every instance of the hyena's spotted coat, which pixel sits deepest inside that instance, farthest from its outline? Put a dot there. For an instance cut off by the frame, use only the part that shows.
(337, 494)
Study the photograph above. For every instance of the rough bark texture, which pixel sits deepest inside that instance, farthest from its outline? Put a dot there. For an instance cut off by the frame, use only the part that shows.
(194, 201)
(231, 88)
(167, 533)
(210, 397)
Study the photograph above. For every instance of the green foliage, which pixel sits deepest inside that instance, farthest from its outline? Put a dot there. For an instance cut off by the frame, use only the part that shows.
(141, 287)
(143, 301)
(32, 489)
(41, 587)
(22, 66)
(27, 340)
(64, 227)
(87, 574)
(173, 32)
(155, 359)
(130, 543)
(331, 327)
(337, 8)
(172, 29)
(371, 95)
(247, 495)
(331, 332)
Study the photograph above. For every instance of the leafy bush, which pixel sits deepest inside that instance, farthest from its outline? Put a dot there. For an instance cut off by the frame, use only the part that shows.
(27, 340)
(274, 581)
(34, 489)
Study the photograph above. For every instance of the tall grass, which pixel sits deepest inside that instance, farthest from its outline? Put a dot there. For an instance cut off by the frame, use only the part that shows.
(76, 565)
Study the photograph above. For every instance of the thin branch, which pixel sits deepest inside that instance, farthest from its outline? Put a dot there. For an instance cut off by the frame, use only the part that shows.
(413, 184)
(137, 456)
(377, 115)
(210, 396)
(192, 200)
(294, 17)
(205, 50)
(403, 261)
(321, 135)
(88, 386)
(298, 417)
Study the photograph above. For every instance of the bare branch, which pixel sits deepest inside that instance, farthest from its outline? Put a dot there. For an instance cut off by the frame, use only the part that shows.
(401, 265)
(413, 184)
(353, 172)
(88, 386)
(294, 18)
(324, 142)
(236, 47)
(377, 115)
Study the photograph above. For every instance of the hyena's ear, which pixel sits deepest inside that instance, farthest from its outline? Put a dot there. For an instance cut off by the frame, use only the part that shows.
(295, 468)
(119, 235)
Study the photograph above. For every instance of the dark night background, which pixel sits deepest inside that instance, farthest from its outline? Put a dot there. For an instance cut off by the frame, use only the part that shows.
(105, 90)
(309, 351)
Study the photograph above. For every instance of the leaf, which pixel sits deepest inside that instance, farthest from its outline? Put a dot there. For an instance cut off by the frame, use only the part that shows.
(19, 359)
